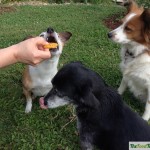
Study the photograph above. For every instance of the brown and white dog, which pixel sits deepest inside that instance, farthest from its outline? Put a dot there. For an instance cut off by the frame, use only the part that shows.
(37, 79)
(134, 36)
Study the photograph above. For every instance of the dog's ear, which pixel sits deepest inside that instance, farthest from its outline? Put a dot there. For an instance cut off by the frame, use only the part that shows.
(89, 99)
(146, 19)
(65, 36)
(132, 6)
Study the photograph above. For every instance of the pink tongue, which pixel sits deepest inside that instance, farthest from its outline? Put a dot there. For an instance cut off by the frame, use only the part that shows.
(41, 102)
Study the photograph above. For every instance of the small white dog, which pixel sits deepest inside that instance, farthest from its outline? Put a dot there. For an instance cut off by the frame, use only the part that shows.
(37, 79)
(134, 36)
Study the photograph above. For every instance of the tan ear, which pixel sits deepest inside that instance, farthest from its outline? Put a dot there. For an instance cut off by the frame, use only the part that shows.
(132, 6)
(146, 19)
(65, 36)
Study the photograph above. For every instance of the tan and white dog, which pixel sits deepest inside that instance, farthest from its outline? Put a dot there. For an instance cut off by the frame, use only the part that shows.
(37, 79)
(134, 36)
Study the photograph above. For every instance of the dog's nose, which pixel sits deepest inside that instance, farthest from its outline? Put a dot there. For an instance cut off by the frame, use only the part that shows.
(45, 102)
(110, 35)
(50, 30)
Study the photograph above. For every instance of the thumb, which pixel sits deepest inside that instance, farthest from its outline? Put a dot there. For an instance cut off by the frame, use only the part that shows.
(40, 42)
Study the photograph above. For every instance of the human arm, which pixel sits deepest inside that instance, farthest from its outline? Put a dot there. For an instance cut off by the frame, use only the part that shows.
(30, 51)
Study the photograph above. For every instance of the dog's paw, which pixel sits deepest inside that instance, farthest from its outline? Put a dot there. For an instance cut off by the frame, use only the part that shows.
(120, 91)
(145, 116)
(86, 146)
(28, 108)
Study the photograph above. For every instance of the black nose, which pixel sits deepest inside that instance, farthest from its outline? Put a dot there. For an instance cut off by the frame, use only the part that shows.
(110, 35)
(45, 102)
(50, 30)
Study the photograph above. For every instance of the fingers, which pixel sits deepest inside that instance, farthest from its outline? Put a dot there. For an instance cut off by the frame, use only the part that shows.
(40, 43)
(32, 51)
(39, 56)
(44, 54)
(40, 40)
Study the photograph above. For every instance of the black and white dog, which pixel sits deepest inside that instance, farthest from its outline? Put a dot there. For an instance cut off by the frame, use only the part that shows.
(103, 119)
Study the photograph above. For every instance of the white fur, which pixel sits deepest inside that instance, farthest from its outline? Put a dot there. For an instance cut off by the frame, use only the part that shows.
(57, 101)
(135, 68)
(120, 36)
(28, 105)
(136, 76)
(42, 74)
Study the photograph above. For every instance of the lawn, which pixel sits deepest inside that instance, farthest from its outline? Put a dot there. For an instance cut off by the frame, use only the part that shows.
(54, 129)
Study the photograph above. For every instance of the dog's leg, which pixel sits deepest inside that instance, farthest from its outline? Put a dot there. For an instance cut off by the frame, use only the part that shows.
(78, 125)
(146, 114)
(122, 87)
(86, 139)
(28, 99)
(86, 146)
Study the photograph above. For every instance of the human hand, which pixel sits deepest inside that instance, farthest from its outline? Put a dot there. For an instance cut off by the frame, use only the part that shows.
(32, 51)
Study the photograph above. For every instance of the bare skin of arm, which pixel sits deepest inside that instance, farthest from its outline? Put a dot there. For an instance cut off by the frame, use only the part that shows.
(30, 51)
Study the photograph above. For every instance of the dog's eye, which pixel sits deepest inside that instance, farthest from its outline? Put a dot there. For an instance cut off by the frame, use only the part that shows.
(128, 29)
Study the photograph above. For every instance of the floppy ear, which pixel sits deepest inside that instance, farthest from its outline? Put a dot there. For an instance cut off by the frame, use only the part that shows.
(65, 36)
(146, 19)
(132, 6)
(89, 99)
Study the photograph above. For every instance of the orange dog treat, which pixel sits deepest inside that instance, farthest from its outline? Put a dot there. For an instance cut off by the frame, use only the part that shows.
(51, 45)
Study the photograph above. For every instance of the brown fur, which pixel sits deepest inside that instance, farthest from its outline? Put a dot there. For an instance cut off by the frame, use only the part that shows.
(133, 7)
(27, 83)
(138, 28)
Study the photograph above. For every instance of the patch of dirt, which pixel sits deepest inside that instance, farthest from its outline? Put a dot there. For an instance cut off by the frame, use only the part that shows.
(113, 21)
(4, 9)
(37, 3)
(33, 3)
(10, 6)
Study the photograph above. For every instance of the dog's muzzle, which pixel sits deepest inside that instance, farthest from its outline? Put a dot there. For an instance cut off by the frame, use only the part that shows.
(50, 30)
(45, 102)
(49, 96)
(52, 38)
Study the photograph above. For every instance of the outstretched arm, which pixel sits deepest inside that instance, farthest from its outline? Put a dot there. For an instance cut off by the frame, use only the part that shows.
(30, 51)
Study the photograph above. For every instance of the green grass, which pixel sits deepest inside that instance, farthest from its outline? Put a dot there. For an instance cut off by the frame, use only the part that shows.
(61, 1)
(54, 129)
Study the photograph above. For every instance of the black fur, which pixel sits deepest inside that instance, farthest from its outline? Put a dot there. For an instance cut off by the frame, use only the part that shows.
(103, 118)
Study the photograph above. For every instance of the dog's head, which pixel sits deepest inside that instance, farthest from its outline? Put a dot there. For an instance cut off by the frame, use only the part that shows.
(135, 26)
(72, 84)
(52, 36)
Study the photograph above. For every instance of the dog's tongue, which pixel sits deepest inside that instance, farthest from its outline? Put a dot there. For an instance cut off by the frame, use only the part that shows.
(41, 102)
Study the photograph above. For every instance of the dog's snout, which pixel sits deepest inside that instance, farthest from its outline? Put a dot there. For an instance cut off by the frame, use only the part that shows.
(50, 30)
(45, 102)
(48, 96)
(110, 35)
